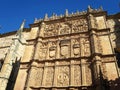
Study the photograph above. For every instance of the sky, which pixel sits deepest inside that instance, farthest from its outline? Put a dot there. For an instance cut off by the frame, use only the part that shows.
(13, 12)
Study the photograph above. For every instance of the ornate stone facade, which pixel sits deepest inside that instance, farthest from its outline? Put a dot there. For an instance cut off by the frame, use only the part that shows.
(67, 52)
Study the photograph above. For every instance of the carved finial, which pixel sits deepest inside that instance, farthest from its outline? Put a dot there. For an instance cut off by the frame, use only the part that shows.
(46, 16)
(35, 20)
(77, 12)
(66, 12)
(19, 32)
(53, 16)
(101, 8)
(89, 8)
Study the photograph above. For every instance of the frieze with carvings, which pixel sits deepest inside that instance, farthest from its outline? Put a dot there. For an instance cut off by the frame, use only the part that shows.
(63, 76)
(65, 29)
(79, 25)
(51, 30)
(62, 28)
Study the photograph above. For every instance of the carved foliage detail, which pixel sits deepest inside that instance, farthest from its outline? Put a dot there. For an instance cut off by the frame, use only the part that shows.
(63, 76)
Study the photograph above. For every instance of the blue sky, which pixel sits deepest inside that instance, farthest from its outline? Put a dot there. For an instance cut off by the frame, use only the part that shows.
(12, 12)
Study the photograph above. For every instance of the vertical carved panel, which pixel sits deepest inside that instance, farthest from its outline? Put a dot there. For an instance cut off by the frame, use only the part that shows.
(63, 76)
(36, 77)
(49, 76)
(77, 75)
(43, 50)
(39, 75)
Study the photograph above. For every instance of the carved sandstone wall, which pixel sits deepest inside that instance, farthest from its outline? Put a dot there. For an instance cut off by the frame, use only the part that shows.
(69, 51)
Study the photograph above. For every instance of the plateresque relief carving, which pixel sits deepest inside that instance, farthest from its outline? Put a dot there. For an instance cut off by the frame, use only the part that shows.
(51, 30)
(65, 29)
(64, 48)
(36, 77)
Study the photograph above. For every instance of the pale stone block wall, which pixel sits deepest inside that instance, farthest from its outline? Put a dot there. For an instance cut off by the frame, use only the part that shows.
(101, 22)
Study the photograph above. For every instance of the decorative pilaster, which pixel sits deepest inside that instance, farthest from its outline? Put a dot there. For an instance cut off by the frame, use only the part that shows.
(72, 73)
(83, 72)
(55, 75)
(96, 59)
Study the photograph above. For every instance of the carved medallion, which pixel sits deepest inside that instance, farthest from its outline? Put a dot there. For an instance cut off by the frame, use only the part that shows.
(76, 49)
(52, 51)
